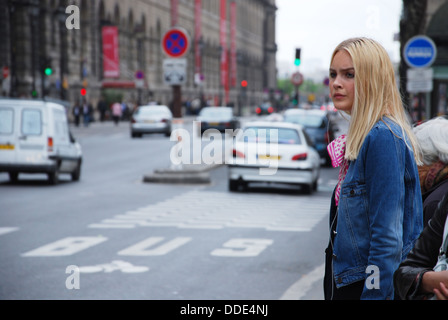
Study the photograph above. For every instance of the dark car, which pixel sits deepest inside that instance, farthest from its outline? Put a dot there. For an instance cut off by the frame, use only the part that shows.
(220, 118)
(264, 108)
(318, 125)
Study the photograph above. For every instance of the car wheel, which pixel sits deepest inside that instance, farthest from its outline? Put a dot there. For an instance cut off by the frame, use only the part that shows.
(233, 185)
(307, 188)
(13, 176)
(168, 134)
(77, 173)
(315, 185)
(53, 177)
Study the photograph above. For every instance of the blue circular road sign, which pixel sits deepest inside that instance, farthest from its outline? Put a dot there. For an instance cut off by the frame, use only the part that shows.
(419, 52)
(175, 42)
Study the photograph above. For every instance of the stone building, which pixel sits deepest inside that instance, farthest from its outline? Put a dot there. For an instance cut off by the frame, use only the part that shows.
(38, 33)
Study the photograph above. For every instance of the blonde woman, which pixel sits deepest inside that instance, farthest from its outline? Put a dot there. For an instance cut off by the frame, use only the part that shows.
(376, 209)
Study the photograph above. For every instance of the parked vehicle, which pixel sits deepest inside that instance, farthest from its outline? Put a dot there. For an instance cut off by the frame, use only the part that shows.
(318, 125)
(35, 138)
(151, 119)
(274, 152)
(220, 118)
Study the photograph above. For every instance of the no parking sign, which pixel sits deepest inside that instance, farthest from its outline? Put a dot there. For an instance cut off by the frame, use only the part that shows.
(176, 42)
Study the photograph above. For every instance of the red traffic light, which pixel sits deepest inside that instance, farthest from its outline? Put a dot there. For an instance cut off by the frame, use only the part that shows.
(83, 91)
(244, 83)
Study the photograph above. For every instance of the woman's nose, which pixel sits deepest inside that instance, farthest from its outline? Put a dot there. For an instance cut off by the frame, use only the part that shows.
(337, 82)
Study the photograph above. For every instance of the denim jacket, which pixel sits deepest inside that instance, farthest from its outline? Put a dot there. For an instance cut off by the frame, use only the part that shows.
(380, 212)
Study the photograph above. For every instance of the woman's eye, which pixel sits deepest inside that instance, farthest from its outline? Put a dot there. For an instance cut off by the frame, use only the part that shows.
(332, 75)
(350, 75)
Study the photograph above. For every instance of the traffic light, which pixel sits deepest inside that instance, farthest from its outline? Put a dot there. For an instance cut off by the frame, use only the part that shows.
(297, 59)
(46, 67)
(83, 91)
(244, 83)
(295, 99)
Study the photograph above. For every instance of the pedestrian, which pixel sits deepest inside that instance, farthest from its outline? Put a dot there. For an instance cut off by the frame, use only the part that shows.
(415, 279)
(87, 112)
(433, 139)
(102, 108)
(376, 207)
(116, 112)
(76, 114)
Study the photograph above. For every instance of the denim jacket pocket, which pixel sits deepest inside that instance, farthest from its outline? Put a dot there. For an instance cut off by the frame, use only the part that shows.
(355, 220)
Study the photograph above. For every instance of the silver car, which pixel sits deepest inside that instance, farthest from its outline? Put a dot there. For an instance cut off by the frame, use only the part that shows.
(275, 152)
(151, 119)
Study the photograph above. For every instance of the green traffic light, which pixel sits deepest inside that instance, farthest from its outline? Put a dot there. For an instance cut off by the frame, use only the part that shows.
(48, 71)
(297, 62)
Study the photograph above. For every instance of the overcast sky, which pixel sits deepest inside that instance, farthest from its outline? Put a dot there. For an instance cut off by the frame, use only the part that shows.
(318, 26)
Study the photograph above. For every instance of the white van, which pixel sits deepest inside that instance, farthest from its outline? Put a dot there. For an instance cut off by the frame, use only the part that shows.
(35, 138)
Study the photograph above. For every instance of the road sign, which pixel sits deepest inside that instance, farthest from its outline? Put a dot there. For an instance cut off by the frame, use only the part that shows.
(175, 42)
(174, 71)
(420, 74)
(139, 74)
(419, 80)
(419, 52)
(297, 79)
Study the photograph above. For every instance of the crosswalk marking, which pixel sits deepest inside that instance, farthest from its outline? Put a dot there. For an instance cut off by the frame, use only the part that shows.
(200, 209)
(4, 230)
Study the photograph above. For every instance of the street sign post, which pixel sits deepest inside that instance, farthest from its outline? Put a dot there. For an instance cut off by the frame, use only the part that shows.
(297, 79)
(420, 52)
(174, 71)
(176, 42)
(419, 80)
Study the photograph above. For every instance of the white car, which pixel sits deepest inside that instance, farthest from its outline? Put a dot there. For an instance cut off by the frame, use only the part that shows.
(151, 119)
(35, 138)
(275, 152)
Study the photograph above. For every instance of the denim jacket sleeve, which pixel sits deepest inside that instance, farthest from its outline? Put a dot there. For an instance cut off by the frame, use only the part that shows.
(384, 174)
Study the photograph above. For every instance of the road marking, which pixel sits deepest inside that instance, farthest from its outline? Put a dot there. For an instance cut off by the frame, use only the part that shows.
(299, 289)
(140, 249)
(116, 265)
(65, 247)
(242, 248)
(5, 230)
(199, 209)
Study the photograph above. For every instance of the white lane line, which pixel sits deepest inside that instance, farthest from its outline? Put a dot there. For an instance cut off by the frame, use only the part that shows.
(299, 289)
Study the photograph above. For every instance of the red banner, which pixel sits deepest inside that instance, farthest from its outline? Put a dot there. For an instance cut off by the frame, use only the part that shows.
(111, 60)
(233, 44)
(223, 42)
(174, 12)
(197, 37)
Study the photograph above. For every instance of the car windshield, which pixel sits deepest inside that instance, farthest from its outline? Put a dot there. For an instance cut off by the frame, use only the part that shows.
(271, 135)
(216, 113)
(306, 120)
(147, 111)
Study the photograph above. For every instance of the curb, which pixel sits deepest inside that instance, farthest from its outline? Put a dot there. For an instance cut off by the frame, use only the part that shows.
(186, 174)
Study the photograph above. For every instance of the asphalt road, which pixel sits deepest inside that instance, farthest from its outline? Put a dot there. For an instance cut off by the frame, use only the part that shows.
(112, 236)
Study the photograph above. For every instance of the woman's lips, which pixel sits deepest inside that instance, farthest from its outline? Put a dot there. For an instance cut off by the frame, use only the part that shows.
(338, 96)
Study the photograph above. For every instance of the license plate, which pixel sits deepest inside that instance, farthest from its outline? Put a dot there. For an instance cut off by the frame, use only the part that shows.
(149, 121)
(6, 146)
(268, 157)
(214, 123)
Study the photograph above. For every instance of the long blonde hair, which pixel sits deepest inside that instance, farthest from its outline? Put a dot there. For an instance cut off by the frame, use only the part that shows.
(376, 94)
